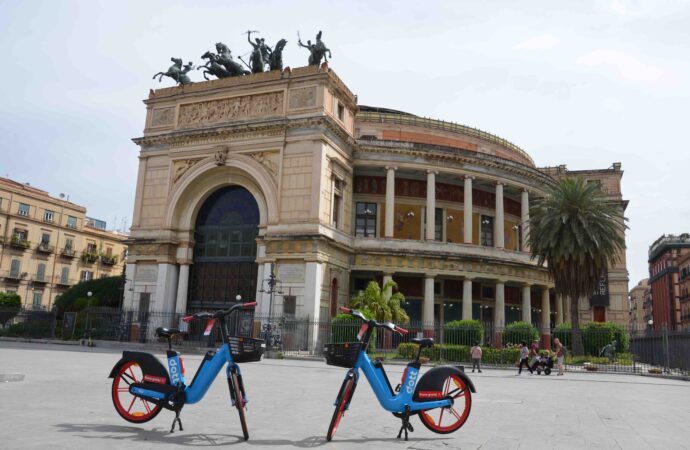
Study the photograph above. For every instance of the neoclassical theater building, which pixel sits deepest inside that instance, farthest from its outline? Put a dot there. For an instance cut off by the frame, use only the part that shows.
(285, 173)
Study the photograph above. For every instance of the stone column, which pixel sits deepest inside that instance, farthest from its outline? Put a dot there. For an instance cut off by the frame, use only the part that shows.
(468, 210)
(430, 204)
(166, 294)
(264, 305)
(545, 319)
(386, 278)
(527, 303)
(566, 307)
(312, 298)
(467, 299)
(390, 200)
(499, 225)
(559, 309)
(182, 286)
(524, 219)
(499, 313)
(428, 307)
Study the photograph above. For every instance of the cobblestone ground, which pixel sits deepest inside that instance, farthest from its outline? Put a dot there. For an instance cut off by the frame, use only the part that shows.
(64, 402)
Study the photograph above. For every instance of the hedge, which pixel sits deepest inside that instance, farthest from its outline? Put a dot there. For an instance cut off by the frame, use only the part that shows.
(596, 335)
(344, 328)
(460, 353)
(463, 332)
(516, 332)
(10, 304)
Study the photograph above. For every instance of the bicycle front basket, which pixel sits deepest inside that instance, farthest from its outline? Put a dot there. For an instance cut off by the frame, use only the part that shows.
(245, 349)
(342, 355)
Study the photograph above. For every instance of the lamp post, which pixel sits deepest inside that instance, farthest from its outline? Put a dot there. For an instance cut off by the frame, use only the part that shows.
(88, 317)
(272, 282)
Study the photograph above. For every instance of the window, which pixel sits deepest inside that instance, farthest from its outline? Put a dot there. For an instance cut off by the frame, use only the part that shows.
(144, 301)
(23, 209)
(45, 239)
(487, 231)
(15, 266)
(341, 112)
(71, 222)
(365, 219)
(38, 297)
(438, 224)
(337, 202)
(64, 277)
(289, 305)
(91, 247)
(487, 292)
(40, 272)
(69, 244)
(109, 251)
(48, 215)
(86, 275)
(20, 235)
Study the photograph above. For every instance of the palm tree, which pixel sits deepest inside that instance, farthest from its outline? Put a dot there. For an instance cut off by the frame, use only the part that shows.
(578, 233)
(383, 304)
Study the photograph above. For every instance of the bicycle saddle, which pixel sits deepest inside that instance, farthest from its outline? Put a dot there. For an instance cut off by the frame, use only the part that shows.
(423, 342)
(167, 332)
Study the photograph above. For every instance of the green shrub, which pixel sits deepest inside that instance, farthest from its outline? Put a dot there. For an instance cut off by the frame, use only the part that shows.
(596, 335)
(460, 353)
(463, 332)
(564, 333)
(520, 331)
(10, 304)
(106, 292)
(344, 328)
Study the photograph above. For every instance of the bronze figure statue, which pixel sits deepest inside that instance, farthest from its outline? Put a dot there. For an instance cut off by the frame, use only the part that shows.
(177, 72)
(316, 51)
(225, 59)
(261, 53)
(212, 67)
(275, 62)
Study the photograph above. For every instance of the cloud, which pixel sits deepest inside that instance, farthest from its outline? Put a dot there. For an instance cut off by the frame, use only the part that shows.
(543, 42)
(626, 65)
(618, 7)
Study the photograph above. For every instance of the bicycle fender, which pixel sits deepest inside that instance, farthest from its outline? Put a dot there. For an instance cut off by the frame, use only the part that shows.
(150, 365)
(432, 381)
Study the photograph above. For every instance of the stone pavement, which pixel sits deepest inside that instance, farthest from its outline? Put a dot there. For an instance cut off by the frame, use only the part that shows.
(64, 402)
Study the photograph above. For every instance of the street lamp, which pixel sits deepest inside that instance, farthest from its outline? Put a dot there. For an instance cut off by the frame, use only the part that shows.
(88, 317)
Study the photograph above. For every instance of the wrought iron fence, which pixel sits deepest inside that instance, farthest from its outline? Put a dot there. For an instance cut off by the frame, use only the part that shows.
(619, 350)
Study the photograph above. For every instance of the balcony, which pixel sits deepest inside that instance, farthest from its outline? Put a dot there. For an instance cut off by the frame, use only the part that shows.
(20, 244)
(39, 278)
(67, 252)
(13, 276)
(45, 247)
(89, 258)
(65, 282)
(108, 260)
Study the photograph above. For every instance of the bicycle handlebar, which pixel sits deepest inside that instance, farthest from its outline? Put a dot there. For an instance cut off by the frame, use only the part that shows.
(391, 326)
(217, 314)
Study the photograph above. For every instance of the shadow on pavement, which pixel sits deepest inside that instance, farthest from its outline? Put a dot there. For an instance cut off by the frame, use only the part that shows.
(115, 432)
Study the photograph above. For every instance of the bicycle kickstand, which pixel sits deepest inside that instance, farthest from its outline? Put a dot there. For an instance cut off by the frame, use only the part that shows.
(406, 425)
(176, 420)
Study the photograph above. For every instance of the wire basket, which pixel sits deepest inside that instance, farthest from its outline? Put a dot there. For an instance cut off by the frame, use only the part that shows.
(245, 349)
(342, 355)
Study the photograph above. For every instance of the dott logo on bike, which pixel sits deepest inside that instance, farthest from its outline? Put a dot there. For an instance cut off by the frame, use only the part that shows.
(430, 394)
(412, 380)
(154, 379)
(174, 371)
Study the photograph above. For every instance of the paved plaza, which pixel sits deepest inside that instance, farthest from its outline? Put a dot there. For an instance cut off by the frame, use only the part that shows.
(64, 402)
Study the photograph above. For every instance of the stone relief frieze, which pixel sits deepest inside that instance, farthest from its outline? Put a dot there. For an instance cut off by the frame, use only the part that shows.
(163, 116)
(181, 167)
(268, 160)
(302, 98)
(228, 109)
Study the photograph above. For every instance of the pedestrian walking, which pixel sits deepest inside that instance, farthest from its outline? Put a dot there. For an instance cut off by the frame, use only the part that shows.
(560, 356)
(524, 358)
(476, 354)
(534, 355)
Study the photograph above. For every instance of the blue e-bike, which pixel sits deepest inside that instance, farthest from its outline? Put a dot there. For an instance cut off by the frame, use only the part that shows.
(142, 386)
(442, 397)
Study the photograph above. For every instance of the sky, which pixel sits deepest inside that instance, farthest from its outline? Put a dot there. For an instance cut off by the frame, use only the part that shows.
(583, 83)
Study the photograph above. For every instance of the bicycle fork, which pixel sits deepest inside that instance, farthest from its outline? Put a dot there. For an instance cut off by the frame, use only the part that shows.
(231, 386)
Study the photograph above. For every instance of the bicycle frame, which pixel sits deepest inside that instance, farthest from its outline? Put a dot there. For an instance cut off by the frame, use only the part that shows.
(396, 403)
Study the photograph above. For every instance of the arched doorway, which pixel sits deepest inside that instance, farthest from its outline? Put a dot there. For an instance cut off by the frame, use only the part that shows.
(225, 250)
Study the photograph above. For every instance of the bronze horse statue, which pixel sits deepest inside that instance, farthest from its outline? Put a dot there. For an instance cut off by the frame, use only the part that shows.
(212, 67)
(225, 58)
(276, 60)
(177, 72)
(317, 51)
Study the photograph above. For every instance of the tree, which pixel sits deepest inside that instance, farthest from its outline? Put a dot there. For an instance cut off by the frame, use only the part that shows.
(578, 233)
(105, 292)
(383, 305)
(10, 304)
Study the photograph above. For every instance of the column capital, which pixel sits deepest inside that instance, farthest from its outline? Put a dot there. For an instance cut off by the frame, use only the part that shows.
(469, 177)
(430, 171)
(391, 168)
(529, 285)
(500, 183)
(466, 278)
(431, 276)
(388, 274)
(500, 280)
(185, 262)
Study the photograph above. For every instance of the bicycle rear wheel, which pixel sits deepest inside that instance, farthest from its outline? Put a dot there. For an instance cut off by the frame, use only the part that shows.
(448, 420)
(239, 402)
(130, 407)
(344, 396)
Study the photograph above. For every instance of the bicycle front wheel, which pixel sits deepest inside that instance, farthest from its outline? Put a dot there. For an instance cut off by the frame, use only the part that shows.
(239, 403)
(130, 407)
(344, 397)
(448, 420)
